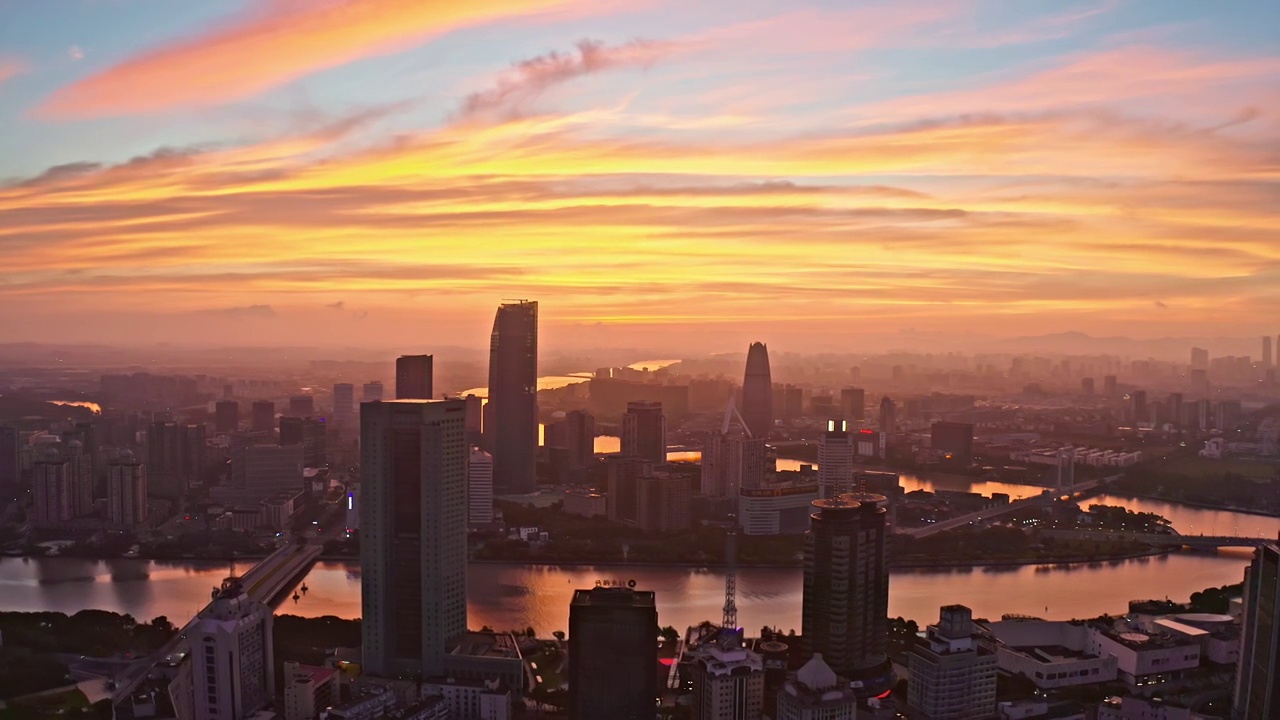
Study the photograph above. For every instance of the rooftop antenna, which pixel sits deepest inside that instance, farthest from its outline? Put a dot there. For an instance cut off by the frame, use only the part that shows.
(730, 620)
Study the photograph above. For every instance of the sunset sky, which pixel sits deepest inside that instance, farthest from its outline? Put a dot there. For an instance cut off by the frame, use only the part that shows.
(695, 173)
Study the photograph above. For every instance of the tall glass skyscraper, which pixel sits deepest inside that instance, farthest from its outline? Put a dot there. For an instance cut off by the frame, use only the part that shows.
(511, 420)
(757, 392)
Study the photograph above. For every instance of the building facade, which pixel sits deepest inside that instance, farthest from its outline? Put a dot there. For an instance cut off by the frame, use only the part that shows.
(126, 491)
(233, 673)
(414, 377)
(816, 693)
(613, 654)
(511, 422)
(728, 679)
(644, 431)
(479, 487)
(952, 676)
(1257, 694)
(757, 391)
(836, 452)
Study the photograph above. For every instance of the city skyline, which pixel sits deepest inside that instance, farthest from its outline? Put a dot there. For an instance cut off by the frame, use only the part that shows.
(665, 173)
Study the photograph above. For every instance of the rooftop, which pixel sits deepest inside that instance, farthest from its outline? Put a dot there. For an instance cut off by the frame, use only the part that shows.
(614, 596)
(487, 644)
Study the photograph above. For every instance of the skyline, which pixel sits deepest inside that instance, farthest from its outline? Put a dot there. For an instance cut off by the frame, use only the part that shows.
(706, 175)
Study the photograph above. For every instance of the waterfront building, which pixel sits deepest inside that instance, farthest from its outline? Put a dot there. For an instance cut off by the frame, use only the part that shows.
(1052, 654)
(264, 416)
(414, 377)
(226, 416)
(781, 509)
(732, 459)
(511, 425)
(613, 654)
(952, 676)
(1257, 692)
(53, 483)
(413, 549)
(846, 590)
(575, 435)
(728, 678)
(816, 693)
(623, 487)
(835, 459)
(479, 487)
(757, 392)
(644, 431)
(233, 672)
(175, 457)
(126, 491)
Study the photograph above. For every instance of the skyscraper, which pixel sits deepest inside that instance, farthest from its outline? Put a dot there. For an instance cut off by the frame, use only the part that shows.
(511, 428)
(1141, 412)
(846, 590)
(1199, 358)
(413, 524)
(302, 406)
(731, 458)
(835, 460)
(613, 656)
(1266, 351)
(344, 407)
(53, 484)
(226, 416)
(853, 404)
(644, 431)
(1109, 385)
(310, 434)
(888, 416)
(264, 416)
(233, 672)
(1257, 694)
(175, 458)
(126, 491)
(372, 391)
(757, 392)
(623, 486)
(413, 377)
(663, 502)
(952, 676)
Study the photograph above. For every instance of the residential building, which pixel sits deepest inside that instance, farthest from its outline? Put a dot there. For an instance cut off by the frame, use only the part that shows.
(413, 549)
(471, 699)
(479, 487)
(613, 654)
(1257, 692)
(888, 416)
(308, 432)
(233, 673)
(757, 392)
(271, 468)
(644, 431)
(175, 458)
(623, 486)
(663, 502)
(54, 484)
(511, 423)
(414, 377)
(344, 408)
(816, 693)
(728, 678)
(126, 491)
(226, 414)
(952, 676)
(264, 416)
(10, 465)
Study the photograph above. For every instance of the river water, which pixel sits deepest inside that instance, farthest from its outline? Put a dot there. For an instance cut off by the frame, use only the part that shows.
(517, 596)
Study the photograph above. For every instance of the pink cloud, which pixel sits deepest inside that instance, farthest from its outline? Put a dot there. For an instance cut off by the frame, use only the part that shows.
(11, 67)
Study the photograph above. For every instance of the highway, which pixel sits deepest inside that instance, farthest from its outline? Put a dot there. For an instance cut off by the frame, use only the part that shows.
(1078, 490)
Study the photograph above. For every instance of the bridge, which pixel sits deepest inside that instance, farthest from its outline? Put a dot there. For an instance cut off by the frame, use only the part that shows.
(1173, 539)
(1047, 497)
(265, 582)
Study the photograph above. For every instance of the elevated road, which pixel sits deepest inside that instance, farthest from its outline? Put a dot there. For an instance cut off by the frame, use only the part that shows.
(1046, 498)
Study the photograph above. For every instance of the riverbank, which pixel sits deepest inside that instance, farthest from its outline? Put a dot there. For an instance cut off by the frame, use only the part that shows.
(1222, 507)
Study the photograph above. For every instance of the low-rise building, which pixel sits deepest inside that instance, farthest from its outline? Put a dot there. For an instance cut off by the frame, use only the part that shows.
(369, 703)
(308, 690)
(1050, 654)
(472, 699)
(816, 693)
(487, 656)
(777, 509)
(585, 504)
(1145, 661)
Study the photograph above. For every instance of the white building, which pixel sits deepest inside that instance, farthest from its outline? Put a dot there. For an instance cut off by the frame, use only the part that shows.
(835, 459)
(233, 674)
(952, 676)
(1050, 654)
(776, 510)
(472, 699)
(126, 491)
(816, 693)
(479, 487)
(728, 679)
(308, 690)
(1145, 661)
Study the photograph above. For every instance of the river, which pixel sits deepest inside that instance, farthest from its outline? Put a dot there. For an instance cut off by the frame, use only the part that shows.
(518, 596)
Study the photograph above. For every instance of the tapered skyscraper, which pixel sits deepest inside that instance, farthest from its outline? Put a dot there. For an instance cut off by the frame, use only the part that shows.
(512, 427)
(757, 392)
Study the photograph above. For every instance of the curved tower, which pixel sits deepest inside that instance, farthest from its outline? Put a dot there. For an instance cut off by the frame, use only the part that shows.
(511, 418)
(757, 392)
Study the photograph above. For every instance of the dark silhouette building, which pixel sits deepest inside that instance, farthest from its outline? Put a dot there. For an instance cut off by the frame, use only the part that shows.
(613, 654)
(1258, 673)
(623, 487)
(413, 377)
(846, 590)
(10, 466)
(570, 444)
(888, 416)
(644, 431)
(226, 416)
(302, 406)
(175, 458)
(953, 439)
(757, 392)
(264, 416)
(511, 424)
(853, 404)
(307, 432)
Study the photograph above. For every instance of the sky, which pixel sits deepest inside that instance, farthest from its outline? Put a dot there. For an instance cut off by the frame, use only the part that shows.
(686, 175)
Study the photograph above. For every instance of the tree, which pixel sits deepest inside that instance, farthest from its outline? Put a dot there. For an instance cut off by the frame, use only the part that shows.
(669, 634)
(530, 632)
(162, 623)
(559, 635)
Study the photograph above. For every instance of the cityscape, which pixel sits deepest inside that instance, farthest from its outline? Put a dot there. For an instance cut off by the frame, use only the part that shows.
(639, 360)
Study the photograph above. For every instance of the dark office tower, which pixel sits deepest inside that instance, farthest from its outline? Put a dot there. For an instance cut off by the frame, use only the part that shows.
(194, 456)
(1258, 673)
(413, 525)
(644, 431)
(613, 658)
(1199, 358)
(1086, 385)
(310, 434)
(1109, 385)
(757, 392)
(1176, 410)
(1266, 351)
(302, 406)
(226, 416)
(413, 377)
(1141, 412)
(622, 500)
(10, 467)
(264, 416)
(344, 407)
(853, 405)
(888, 416)
(512, 434)
(846, 590)
(164, 460)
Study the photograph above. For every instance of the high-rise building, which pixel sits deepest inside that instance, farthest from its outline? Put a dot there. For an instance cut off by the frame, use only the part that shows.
(757, 392)
(952, 676)
(413, 377)
(264, 416)
(576, 435)
(372, 391)
(413, 525)
(663, 502)
(270, 468)
(1199, 358)
(511, 427)
(1257, 694)
(1266, 351)
(728, 678)
(1109, 385)
(310, 434)
(302, 405)
(233, 671)
(622, 497)
(644, 431)
(613, 656)
(10, 460)
(953, 439)
(853, 404)
(835, 459)
(126, 491)
(816, 693)
(846, 590)
(479, 487)
(1086, 385)
(226, 416)
(1177, 413)
(888, 416)
(731, 458)
(175, 458)
(344, 407)
(53, 483)
(1140, 410)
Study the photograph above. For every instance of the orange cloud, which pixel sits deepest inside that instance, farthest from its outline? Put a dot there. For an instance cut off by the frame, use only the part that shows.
(11, 67)
(275, 42)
